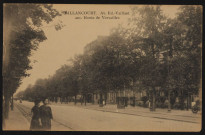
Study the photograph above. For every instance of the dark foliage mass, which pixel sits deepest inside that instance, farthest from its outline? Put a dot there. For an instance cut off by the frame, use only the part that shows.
(155, 52)
(22, 34)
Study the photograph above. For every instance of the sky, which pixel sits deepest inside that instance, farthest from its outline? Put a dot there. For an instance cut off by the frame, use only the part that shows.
(62, 45)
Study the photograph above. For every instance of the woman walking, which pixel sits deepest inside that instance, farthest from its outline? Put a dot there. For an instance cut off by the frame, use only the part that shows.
(46, 115)
(35, 122)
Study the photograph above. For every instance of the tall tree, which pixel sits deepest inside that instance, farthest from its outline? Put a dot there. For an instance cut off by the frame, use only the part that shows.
(146, 33)
(22, 33)
(190, 20)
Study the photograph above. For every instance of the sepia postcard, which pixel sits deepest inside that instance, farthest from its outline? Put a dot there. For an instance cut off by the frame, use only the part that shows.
(102, 67)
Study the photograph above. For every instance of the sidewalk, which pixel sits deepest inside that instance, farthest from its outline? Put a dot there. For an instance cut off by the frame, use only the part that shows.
(113, 107)
(184, 113)
(176, 115)
(16, 121)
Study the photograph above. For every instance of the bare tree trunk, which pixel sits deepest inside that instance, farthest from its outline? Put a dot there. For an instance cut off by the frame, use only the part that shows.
(169, 99)
(6, 107)
(75, 99)
(187, 107)
(100, 101)
(93, 98)
(100, 98)
(116, 97)
(66, 100)
(170, 57)
(105, 98)
(4, 125)
(81, 100)
(56, 100)
(12, 103)
(85, 99)
(154, 100)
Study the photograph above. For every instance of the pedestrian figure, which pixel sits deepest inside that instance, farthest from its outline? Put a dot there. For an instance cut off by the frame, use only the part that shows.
(35, 122)
(46, 115)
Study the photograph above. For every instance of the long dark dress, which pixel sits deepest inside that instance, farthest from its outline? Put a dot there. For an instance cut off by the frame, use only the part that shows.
(46, 116)
(35, 122)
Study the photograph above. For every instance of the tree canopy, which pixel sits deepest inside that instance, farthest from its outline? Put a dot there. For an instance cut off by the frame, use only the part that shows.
(155, 52)
(22, 34)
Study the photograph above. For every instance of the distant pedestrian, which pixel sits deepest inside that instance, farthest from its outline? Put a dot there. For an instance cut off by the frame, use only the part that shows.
(46, 115)
(35, 122)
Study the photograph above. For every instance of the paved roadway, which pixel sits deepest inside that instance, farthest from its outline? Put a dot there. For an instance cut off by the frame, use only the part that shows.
(72, 118)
